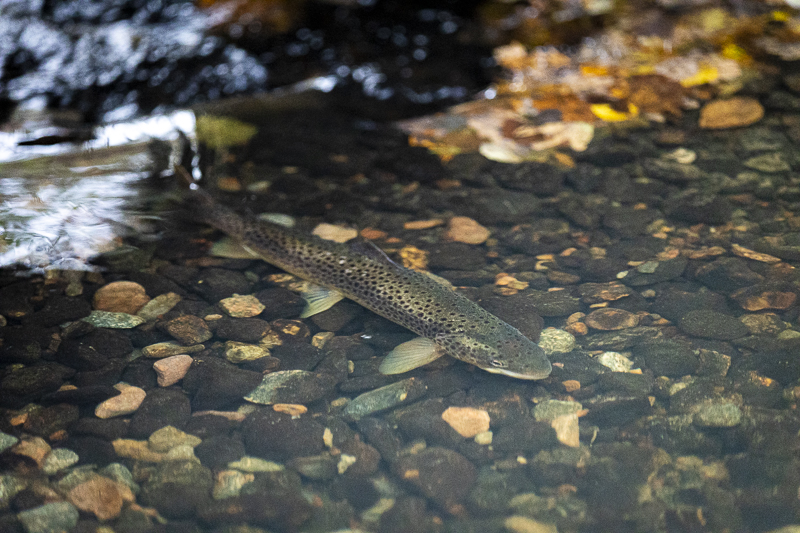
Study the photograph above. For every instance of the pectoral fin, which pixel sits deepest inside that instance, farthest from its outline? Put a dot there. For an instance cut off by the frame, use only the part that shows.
(227, 247)
(319, 299)
(410, 355)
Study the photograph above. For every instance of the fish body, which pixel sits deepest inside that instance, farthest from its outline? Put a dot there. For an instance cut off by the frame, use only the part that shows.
(447, 322)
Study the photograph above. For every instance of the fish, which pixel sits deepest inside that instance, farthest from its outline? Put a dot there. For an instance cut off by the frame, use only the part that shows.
(447, 322)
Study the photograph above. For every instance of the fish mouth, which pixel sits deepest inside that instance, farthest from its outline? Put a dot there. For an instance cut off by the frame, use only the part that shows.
(540, 374)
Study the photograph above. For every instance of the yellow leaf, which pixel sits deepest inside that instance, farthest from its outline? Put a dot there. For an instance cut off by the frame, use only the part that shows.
(706, 74)
(609, 114)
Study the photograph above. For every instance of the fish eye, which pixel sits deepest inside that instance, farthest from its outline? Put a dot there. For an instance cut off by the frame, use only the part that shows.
(497, 363)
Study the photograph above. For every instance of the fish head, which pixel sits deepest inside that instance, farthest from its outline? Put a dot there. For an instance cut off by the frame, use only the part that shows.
(508, 352)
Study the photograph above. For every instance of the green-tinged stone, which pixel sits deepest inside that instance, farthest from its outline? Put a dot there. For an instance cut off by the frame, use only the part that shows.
(554, 341)
(58, 460)
(120, 473)
(223, 132)
(10, 486)
(161, 350)
(158, 306)
(108, 319)
(772, 162)
(549, 410)
(229, 483)
(77, 476)
(383, 398)
(239, 352)
(7, 441)
(169, 437)
(254, 464)
(718, 415)
(49, 518)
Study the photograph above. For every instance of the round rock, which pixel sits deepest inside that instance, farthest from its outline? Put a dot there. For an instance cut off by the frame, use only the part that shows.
(121, 297)
(712, 325)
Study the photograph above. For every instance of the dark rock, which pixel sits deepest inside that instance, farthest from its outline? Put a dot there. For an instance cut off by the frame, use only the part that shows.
(107, 376)
(140, 373)
(578, 366)
(619, 340)
(697, 208)
(497, 206)
(673, 303)
(15, 299)
(672, 171)
(89, 395)
(493, 490)
(526, 436)
(636, 385)
(58, 310)
(217, 384)
(542, 236)
(367, 457)
(585, 178)
(205, 426)
(108, 429)
(335, 364)
(442, 475)
(292, 386)
(279, 303)
(188, 330)
(351, 348)
(408, 515)
(92, 450)
(360, 492)
(24, 344)
(28, 384)
(539, 178)
(662, 271)
(555, 303)
(712, 325)
(161, 407)
(47, 421)
(727, 274)
(214, 284)
(291, 331)
(338, 316)
(93, 351)
(423, 420)
(613, 410)
(668, 357)
(219, 450)
(383, 436)
(455, 256)
(278, 436)
(241, 329)
(298, 356)
(625, 220)
(177, 489)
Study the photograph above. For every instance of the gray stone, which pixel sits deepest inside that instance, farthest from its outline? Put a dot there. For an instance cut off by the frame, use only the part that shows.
(292, 386)
(718, 415)
(383, 398)
(7, 441)
(120, 473)
(108, 319)
(58, 460)
(49, 518)
(158, 306)
(10, 486)
(549, 410)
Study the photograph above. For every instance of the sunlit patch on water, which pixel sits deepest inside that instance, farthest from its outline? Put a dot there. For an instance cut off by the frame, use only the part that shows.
(63, 203)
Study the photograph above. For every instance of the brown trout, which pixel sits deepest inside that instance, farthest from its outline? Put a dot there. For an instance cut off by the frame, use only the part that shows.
(447, 322)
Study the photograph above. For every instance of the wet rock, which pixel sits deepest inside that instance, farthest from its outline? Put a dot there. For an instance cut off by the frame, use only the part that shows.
(467, 421)
(280, 303)
(15, 300)
(423, 421)
(240, 352)
(712, 325)
(358, 459)
(577, 366)
(408, 515)
(523, 524)
(161, 407)
(107, 319)
(127, 402)
(217, 384)
(108, 429)
(383, 398)
(466, 230)
(727, 273)
(672, 171)
(620, 339)
(768, 163)
(93, 351)
(7, 441)
(214, 284)
(554, 303)
(668, 358)
(25, 384)
(178, 488)
(58, 310)
(169, 437)
(58, 460)
(626, 383)
(609, 319)
(49, 421)
(49, 518)
(337, 317)
(241, 329)
(280, 436)
(292, 386)
(171, 370)
(229, 483)
(297, 356)
(159, 306)
(498, 206)
(100, 496)
(554, 341)
(524, 435)
(615, 361)
(34, 448)
(217, 451)
(672, 304)
(455, 256)
(442, 475)
(652, 272)
(731, 113)
(717, 415)
(120, 297)
(24, 344)
(763, 296)
(188, 330)
(238, 306)
(291, 331)
(382, 436)
(167, 349)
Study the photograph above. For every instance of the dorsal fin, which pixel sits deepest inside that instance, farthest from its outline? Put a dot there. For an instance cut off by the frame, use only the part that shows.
(366, 247)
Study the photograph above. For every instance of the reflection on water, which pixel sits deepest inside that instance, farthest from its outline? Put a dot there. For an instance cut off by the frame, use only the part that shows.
(64, 203)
